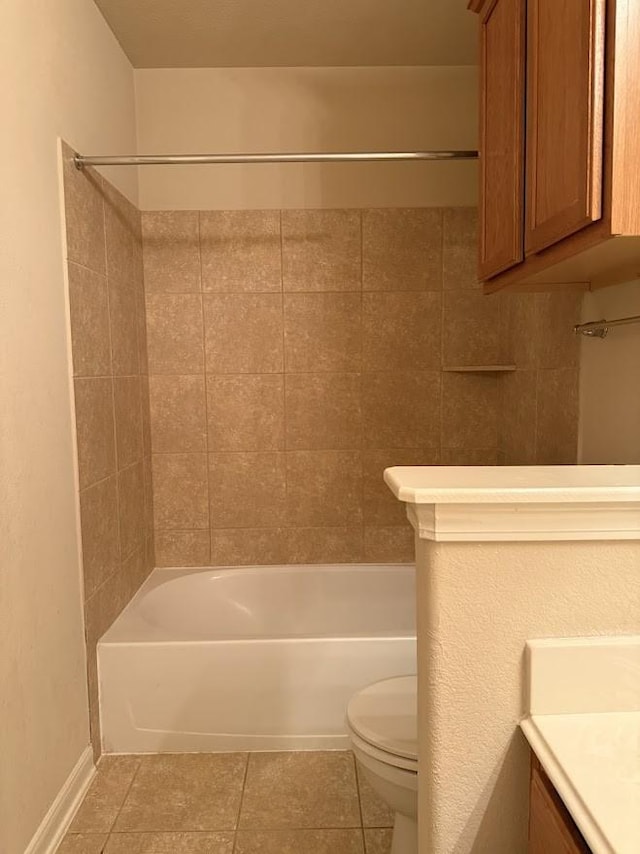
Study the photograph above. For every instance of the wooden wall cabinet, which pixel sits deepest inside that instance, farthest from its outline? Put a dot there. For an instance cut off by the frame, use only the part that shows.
(502, 69)
(565, 118)
(551, 828)
(559, 142)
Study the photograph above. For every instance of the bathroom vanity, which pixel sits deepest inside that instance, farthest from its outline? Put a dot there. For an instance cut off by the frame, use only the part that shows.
(551, 828)
(583, 725)
(504, 555)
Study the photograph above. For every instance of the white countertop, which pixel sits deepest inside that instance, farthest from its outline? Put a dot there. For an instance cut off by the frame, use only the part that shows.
(513, 484)
(593, 760)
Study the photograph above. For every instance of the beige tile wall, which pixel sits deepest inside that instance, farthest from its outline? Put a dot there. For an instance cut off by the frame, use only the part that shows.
(109, 354)
(292, 357)
(538, 410)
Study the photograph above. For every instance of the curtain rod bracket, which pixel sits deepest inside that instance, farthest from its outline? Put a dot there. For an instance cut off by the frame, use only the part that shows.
(600, 328)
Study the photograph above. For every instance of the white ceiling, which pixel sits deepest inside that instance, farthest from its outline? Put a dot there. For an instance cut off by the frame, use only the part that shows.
(255, 33)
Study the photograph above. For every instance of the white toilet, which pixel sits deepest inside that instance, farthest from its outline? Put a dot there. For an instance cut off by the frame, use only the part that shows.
(382, 723)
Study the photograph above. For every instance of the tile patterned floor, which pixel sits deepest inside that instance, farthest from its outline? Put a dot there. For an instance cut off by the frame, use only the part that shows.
(230, 803)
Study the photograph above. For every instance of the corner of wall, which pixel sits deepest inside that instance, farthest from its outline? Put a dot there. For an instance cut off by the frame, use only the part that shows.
(609, 423)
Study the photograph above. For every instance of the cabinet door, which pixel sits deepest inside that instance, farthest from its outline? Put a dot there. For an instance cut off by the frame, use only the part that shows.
(565, 118)
(502, 95)
(550, 830)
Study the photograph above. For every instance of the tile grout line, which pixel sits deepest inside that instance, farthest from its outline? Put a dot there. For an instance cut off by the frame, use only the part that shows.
(110, 577)
(143, 387)
(305, 450)
(101, 275)
(111, 375)
(237, 823)
(318, 372)
(361, 384)
(206, 387)
(284, 392)
(272, 292)
(124, 800)
(106, 376)
(102, 480)
(296, 828)
(442, 335)
(121, 559)
(269, 452)
(536, 393)
(355, 771)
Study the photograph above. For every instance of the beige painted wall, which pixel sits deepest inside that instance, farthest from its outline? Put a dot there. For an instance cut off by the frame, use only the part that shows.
(302, 109)
(477, 605)
(62, 74)
(610, 380)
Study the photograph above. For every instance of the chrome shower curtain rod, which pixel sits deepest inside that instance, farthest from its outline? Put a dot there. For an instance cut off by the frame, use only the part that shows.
(82, 160)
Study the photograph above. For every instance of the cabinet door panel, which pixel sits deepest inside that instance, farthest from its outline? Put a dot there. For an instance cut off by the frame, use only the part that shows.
(549, 830)
(502, 93)
(565, 118)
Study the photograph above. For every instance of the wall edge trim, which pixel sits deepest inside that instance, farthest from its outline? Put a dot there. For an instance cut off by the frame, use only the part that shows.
(61, 812)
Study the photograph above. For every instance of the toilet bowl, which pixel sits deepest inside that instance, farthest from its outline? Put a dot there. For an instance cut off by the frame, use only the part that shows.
(382, 725)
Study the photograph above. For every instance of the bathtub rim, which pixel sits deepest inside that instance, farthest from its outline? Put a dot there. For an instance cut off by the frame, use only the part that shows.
(116, 634)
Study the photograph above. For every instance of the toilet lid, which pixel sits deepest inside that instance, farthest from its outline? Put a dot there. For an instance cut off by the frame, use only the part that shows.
(385, 715)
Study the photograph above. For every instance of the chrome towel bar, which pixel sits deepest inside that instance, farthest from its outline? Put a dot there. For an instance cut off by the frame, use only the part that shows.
(600, 328)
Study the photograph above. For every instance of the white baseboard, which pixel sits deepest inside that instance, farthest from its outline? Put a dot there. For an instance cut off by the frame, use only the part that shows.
(55, 823)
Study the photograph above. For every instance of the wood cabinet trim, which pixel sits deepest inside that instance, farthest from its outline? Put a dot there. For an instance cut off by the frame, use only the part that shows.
(597, 107)
(507, 252)
(587, 207)
(546, 806)
(476, 5)
(623, 93)
(587, 238)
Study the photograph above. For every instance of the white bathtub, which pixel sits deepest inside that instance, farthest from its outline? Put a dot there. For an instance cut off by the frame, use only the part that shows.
(251, 658)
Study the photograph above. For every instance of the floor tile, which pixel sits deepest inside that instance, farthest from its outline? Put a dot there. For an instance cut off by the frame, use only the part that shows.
(299, 842)
(106, 795)
(189, 791)
(378, 841)
(82, 843)
(170, 843)
(375, 813)
(300, 790)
